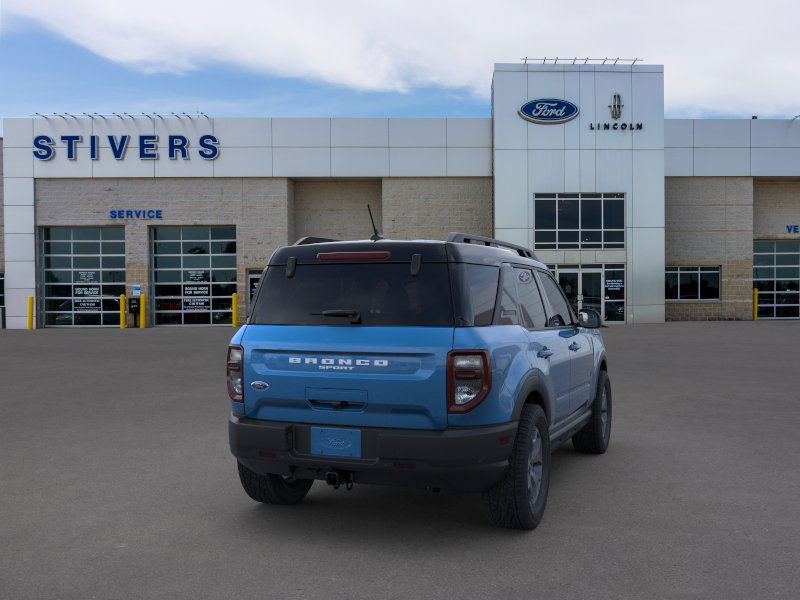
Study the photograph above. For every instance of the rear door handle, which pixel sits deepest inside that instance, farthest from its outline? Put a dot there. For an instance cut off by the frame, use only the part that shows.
(544, 353)
(574, 347)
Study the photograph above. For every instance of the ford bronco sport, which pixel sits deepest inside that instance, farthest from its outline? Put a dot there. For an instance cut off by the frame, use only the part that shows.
(454, 365)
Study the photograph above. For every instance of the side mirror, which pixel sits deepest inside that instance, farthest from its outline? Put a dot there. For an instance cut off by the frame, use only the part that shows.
(589, 318)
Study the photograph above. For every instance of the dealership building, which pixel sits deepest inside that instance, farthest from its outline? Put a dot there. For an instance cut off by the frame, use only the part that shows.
(644, 218)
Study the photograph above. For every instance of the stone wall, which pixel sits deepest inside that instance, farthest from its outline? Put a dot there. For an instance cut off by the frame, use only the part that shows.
(430, 208)
(336, 209)
(709, 222)
(776, 204)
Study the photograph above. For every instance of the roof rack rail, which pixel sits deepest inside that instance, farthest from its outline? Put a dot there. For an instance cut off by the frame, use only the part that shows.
(466, 238)
(310, 239)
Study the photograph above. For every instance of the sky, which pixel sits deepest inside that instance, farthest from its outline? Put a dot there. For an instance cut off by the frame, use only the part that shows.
(374, 58)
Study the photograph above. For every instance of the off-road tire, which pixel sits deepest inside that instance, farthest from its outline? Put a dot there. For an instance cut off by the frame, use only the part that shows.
(512, 502)
(596, 434)
(273, 489)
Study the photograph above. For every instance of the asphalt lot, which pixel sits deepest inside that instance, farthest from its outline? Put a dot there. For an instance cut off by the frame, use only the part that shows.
(116, 482)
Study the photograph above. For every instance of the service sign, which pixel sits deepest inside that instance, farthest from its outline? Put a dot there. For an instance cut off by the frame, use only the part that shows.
(192, 304)
(196, 290)
(198, 275)
(548, 111)
(87, 277)
(87, 290)
(86, 304)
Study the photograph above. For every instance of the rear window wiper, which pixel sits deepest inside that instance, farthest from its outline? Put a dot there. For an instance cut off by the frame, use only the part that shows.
(353, 315)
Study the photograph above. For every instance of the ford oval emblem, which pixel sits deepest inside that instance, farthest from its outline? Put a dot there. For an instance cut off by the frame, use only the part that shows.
(548, 111)
(259, 385)
(336, 443)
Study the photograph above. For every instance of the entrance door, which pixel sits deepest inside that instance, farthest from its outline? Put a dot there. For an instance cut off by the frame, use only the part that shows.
(569, 282)
(583, 288)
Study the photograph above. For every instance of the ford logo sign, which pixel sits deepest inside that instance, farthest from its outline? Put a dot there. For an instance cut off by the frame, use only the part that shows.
(547, 111)
(336, 443)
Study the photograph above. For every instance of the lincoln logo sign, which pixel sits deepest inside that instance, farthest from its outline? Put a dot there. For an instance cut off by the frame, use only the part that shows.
(548, 111)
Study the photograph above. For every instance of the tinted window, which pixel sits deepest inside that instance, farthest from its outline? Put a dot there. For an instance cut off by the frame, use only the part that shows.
(508, 299)
(709, 285)
(567, 214)
(557, 302)
(530, 301)
(671, 285)
(545, 214)
(591, 214)
(688, 286)
(613, 214)
(383, 294)
(476, 289)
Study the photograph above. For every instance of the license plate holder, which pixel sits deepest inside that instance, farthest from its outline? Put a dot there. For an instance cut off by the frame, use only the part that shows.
(333, 441)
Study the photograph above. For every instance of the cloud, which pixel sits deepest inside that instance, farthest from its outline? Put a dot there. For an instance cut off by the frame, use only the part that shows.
(720, 56)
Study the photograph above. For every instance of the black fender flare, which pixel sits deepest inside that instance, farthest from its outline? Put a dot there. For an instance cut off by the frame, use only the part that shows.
(600, 360)
(534, 382)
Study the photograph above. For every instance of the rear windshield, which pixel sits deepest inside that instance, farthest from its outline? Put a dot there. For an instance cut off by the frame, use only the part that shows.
(382, 294)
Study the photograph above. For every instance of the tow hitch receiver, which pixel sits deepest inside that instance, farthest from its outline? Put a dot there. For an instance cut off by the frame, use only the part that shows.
(338, 478)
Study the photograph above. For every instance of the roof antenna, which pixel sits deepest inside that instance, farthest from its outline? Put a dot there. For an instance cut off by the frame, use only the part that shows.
(377, 235)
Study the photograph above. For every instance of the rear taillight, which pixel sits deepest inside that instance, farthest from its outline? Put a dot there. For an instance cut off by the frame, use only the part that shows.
(469, 378)
(234, 372)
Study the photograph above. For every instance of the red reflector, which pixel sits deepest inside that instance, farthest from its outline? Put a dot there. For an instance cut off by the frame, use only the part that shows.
(504, 439)
(263, 454)
(370, 255)
(403, 466)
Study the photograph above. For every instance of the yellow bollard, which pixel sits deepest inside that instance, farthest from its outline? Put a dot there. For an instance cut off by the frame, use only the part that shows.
(234, 309)
(30, 312)
(122, 323)
(755, 304)
(142, 312)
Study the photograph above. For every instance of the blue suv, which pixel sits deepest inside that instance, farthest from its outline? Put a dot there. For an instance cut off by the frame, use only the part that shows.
(454, 365)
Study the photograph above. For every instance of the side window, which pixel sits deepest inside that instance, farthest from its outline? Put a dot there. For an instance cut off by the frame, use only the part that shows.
(530, 301)
(475, 292)
(508, 299)
(561, 313)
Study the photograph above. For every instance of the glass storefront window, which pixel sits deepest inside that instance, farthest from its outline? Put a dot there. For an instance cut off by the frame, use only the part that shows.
(691, 283)
(776, 275)
(194, 275)
(578, 221)
(76, 263)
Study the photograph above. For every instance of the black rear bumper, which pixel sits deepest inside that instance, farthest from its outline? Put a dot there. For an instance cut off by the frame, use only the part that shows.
(458, 459)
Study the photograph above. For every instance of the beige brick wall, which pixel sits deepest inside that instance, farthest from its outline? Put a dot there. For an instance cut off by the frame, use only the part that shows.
(260, 209)
(336, 209)
(430, 208)
(709, 222)
(776, 204)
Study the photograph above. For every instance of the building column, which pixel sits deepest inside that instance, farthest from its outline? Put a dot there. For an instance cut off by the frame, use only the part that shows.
(19, 224)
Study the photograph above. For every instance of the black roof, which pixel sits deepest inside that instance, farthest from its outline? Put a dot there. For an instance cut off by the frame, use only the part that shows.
(473, 249)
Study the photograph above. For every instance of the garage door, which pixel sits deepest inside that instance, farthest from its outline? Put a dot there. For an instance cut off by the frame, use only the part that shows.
(776, 274)
(82, 275)
(194, 275)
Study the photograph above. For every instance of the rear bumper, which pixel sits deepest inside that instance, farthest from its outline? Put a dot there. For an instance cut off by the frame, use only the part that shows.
(458, 459)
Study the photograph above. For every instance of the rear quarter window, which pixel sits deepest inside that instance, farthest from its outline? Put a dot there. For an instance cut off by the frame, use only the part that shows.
(475, 292)
(384, 294)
